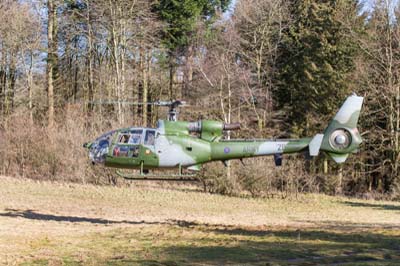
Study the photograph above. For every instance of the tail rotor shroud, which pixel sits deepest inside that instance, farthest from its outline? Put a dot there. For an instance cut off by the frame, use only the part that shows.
(341, 137)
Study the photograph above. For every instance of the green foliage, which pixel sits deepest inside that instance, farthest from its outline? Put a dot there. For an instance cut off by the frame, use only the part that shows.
(316, 59)
(181, 18)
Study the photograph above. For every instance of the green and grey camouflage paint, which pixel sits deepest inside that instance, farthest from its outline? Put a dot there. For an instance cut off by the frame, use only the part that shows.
(191, 144)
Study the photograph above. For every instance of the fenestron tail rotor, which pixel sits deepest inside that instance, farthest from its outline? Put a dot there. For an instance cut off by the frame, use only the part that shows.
(341, 137)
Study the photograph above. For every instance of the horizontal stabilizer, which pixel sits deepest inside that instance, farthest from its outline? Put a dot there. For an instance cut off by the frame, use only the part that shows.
(315, 144)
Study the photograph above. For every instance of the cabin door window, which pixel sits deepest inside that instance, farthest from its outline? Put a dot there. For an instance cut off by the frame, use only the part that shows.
(150, 138)
(128, 144)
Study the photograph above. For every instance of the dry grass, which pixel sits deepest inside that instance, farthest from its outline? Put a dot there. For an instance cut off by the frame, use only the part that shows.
(44, 223)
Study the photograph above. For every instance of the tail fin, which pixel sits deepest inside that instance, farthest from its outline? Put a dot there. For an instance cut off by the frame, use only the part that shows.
(341, 137)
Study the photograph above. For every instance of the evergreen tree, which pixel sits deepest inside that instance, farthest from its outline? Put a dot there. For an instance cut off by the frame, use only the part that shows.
(316, 60)
(181, 18)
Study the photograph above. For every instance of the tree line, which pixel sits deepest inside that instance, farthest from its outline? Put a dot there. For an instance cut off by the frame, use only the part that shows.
(281, 68)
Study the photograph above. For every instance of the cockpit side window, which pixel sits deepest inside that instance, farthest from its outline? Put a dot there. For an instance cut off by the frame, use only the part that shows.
(126, 151)
(124, 138)
(135, 136)
(130, 137)
(150, 137)
(128, 143)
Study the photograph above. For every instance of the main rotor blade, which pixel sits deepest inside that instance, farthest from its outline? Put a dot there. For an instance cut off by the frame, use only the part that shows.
(158, 103)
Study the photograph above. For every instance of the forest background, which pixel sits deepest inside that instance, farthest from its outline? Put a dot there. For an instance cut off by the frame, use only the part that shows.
(280, 68)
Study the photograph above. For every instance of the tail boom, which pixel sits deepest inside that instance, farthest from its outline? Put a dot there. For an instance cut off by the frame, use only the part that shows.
(339, 139)
(237, 149)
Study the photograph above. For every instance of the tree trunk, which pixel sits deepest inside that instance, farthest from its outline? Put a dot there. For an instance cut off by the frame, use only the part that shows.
(188, 76)
(150, 115)
(2, 87)
(90, 58)
(171, 76)
(145, 87)
(10, 84)
(123, 68)
(30, 86)
(51, 58)
(117, 65)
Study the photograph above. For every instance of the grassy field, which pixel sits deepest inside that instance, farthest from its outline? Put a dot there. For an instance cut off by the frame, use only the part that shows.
(67, 224)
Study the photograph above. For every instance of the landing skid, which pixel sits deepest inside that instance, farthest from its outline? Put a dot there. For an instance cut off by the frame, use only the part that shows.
(144, 176)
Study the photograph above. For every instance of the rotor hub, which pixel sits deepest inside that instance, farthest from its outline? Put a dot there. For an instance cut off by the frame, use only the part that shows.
(340, 139)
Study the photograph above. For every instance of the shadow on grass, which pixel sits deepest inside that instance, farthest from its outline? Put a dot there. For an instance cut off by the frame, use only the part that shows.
(226, 245)
(191, 243)
(183, 242)
(337, 236)
(325, 243)
(374, 206)
(33, 215)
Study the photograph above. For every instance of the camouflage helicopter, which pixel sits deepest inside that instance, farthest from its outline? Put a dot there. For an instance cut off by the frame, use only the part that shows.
(189, 145)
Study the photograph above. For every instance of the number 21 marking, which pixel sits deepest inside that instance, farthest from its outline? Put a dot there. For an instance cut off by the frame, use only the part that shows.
(281, 147)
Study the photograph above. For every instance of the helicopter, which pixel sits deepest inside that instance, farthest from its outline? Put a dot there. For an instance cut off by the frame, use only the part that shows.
(189, 145)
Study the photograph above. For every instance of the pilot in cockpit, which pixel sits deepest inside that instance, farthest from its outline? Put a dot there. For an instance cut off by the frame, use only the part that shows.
(124, 138)
(135, 139)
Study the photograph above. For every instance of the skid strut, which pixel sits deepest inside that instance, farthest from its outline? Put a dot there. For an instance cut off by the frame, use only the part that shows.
(143, 176)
